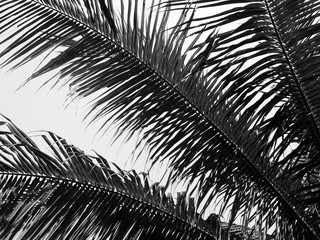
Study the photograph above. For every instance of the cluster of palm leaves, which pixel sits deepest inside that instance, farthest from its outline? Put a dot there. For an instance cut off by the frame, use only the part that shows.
(224, 91)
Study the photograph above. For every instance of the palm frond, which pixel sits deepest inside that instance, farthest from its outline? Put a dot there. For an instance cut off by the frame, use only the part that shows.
(239, 129)
(52, 190)
(265, 68)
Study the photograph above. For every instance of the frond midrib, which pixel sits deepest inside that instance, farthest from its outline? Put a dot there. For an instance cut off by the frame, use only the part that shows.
(104, 188)
(293, 73)
(305, 102)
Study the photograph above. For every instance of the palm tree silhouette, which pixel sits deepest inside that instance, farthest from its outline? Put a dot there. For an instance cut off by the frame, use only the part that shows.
(226, 91)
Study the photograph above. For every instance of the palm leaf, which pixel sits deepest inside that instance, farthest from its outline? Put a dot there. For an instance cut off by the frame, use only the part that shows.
(52, 190)
(245, 132)
(265, 65)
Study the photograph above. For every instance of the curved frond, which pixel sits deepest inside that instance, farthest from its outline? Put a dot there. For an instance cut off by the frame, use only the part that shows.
(265, 68)
(52, 190)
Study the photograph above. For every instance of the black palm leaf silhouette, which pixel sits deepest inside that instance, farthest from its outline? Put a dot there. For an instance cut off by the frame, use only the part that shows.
(52, 190)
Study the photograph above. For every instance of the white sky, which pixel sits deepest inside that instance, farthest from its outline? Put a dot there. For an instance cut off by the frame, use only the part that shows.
(33, 108)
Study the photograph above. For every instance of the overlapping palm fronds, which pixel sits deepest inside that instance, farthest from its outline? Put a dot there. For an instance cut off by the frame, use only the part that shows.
(265, 66)
(234, 109)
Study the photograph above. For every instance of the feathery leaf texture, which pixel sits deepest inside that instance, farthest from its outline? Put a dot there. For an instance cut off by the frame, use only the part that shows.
(228, 95)
(62, 193)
